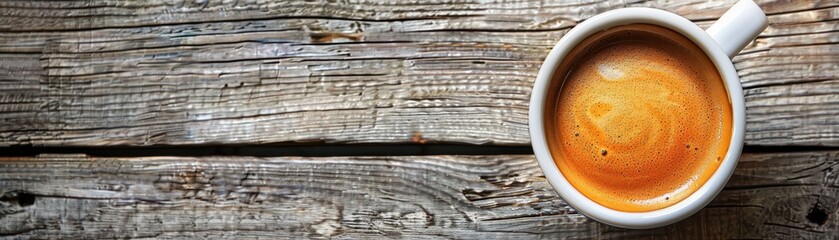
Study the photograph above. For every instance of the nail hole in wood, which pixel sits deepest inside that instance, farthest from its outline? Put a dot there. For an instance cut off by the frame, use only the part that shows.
(817, 214)
(20, 198)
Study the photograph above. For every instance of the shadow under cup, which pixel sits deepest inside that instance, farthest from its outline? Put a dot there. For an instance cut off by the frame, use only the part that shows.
(637, 117)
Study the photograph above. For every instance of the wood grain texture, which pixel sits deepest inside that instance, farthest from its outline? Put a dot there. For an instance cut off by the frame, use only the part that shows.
(788, 195)
(89, 73)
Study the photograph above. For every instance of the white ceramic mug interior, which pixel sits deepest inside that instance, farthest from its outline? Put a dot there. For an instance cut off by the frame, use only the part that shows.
(722, 41)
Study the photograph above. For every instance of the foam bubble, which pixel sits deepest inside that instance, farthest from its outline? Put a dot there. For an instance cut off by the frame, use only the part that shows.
(609, 71)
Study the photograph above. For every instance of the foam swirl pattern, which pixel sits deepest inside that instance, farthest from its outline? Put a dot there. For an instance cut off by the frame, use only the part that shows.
(643, 121)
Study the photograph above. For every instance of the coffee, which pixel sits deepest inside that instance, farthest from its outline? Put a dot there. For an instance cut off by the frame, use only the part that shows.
(637, 117)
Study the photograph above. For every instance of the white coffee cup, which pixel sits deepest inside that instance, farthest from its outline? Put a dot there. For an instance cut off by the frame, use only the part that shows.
(721, 42)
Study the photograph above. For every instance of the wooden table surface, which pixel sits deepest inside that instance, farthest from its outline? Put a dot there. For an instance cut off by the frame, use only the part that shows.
(99, 74)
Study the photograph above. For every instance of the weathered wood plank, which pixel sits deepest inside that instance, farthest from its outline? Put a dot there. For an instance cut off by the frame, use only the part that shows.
(787, 195)
(155, 72)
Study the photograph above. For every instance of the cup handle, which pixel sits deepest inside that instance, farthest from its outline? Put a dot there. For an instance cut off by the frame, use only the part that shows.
(738, 27)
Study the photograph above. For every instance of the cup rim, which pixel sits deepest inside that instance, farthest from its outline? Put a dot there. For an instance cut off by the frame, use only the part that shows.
(698, 199)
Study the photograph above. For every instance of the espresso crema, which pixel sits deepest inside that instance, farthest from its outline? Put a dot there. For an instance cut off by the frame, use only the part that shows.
(638, 118)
